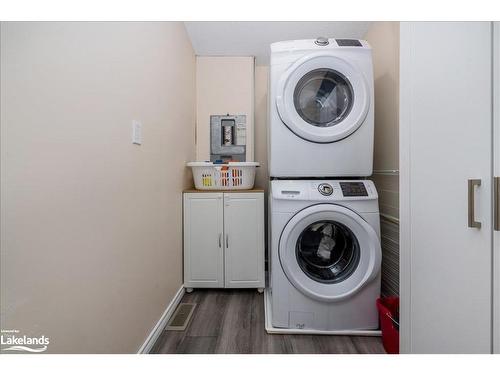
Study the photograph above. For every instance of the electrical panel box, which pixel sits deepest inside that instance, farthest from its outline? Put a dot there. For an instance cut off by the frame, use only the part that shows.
(228, 137)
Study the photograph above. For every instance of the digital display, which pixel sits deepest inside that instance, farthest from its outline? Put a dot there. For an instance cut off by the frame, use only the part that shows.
(353, 189)
(349, 43)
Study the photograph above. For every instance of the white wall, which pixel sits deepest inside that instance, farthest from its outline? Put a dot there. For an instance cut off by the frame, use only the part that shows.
(384, 40)
(91, 250)
(261, 117)
(223, 85)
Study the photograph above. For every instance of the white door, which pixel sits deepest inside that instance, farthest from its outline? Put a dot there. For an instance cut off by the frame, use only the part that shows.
(244, 240)
(446, 140)
(323, 98)
(203, 236)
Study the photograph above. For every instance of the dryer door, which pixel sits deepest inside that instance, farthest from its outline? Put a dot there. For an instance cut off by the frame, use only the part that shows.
(322, 98)
(329, 252)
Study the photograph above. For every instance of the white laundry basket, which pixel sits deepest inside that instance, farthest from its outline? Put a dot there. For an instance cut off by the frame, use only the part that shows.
(229, 176)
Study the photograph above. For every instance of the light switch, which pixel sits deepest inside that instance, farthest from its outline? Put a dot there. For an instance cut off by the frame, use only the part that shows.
(136, 132)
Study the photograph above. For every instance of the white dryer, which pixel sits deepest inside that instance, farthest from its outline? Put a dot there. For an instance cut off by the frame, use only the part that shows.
(321, 116)
(325, 255)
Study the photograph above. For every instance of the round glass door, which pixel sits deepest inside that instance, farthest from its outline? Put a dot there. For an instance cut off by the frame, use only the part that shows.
(327, 252)
(323, 97)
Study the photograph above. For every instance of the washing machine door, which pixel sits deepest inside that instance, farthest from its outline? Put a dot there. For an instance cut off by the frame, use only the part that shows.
(329, 252)
(322, 98)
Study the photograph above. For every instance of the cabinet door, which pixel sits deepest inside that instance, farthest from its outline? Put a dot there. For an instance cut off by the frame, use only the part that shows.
(244, 240)
(446, 139)
(203, 248)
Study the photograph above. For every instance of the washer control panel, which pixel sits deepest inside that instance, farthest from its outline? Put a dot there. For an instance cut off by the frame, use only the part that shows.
(353, 189)
(323, 190)
(342, 190)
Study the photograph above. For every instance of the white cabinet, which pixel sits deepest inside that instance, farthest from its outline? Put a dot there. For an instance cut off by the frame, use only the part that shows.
(224, 240)
(446, 140)
(203, 235)
(244, 240)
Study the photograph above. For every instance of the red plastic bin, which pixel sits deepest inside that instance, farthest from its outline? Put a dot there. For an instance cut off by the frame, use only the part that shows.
(388, 308)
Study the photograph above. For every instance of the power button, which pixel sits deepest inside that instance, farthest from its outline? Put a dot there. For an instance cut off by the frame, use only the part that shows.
(321, 41)
(325, 189)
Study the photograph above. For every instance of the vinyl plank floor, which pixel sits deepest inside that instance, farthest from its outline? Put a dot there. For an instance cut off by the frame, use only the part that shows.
(209, 314)
(235, 336)
(262, 342)
(368, 345)
(337, 345)
(232, 321)
(168, 342)
(197, 345)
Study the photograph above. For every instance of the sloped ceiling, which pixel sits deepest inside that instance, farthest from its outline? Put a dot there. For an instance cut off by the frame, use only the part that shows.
(253, 38)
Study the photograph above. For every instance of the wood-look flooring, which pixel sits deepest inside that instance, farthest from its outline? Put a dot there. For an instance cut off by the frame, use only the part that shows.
(232, 322)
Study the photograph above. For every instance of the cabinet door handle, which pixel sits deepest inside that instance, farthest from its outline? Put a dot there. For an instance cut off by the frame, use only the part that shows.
(471, 204)
(220, 240)
(496, 203)
(227, 241)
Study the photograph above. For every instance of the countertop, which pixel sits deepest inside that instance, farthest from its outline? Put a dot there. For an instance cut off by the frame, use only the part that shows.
(193, 190)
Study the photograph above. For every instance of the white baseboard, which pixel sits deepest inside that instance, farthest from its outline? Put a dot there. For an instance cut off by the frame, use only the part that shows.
(160, 325)
(290, 331)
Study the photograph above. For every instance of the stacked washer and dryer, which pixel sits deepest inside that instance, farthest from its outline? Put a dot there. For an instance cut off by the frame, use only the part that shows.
(324, 241)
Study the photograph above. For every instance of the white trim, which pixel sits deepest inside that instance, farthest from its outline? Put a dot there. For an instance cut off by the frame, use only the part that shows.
(290, 331)
(496, 172)
(405, 86)
(162, 323)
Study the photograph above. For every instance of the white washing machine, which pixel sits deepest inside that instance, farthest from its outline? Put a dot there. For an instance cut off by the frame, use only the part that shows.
(325, 255)
(321, 108)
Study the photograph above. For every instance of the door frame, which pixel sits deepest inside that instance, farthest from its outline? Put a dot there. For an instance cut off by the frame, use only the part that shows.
(404, 189)
(496, 172)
